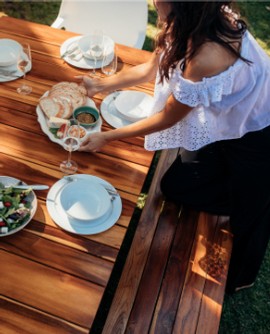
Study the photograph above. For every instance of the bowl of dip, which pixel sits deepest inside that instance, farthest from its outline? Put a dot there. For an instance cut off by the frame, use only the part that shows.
(87, 116)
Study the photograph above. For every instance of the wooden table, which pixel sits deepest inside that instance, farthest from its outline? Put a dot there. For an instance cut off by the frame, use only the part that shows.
(52, 281)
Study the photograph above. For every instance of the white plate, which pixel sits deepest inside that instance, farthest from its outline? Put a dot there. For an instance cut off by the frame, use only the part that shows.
(9, 51)
(16, 73)
(110, 114)
(7, 181)
(76, 226)
(43, 121)
(85, 200)
(133, 105)
(83, 62)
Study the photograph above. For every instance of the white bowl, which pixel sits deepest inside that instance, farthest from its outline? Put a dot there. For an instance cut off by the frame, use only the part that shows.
(85, 200)
(133, 105)
(9, 51)
(84, 46)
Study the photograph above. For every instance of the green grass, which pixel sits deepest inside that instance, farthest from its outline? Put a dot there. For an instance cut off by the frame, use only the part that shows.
(258, 19)
(248, 311)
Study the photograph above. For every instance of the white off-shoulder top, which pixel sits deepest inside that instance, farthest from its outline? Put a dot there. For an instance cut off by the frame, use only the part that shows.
(225, 106)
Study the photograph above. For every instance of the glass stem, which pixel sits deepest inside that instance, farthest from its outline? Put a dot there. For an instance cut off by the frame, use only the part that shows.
(23, 84)
(95, 62)
(69, 159)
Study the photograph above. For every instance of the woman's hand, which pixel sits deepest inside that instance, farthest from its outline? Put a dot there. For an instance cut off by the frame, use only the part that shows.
(126, 78)
(91, 84)
(94, 142)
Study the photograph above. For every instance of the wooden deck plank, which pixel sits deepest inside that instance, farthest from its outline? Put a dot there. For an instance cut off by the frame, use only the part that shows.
(219, 253)
(190, 303)
(175, 276)
(150, 284)
(127, 288)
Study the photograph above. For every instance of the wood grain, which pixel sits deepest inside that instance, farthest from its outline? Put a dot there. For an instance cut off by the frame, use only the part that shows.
(51, 290)
(13, 314)
(128, 286)
(52, 281)
(175, 273)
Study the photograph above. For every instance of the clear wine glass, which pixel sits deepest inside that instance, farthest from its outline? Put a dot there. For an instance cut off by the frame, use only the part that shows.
(23, 61)
(71, 142)
(109, 61)
(96, 47)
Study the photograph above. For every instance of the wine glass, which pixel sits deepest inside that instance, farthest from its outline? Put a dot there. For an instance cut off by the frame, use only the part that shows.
(109, 61)
(71, 142)
(96, 47)
(23, 61)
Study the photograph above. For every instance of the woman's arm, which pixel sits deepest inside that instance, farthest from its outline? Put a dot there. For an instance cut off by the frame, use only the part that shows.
(173, 112)
(126, 78)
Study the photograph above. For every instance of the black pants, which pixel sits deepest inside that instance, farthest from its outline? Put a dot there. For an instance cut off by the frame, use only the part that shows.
(230, 177)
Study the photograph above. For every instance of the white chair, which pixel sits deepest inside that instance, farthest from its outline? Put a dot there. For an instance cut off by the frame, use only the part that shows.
(125, 21)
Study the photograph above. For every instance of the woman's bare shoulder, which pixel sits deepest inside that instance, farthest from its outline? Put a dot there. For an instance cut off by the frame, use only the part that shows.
(210, 60)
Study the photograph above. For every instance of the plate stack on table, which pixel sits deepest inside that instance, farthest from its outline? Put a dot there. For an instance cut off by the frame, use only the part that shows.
(75, 51)
(9, 54)
(84, 204)
(125, 107)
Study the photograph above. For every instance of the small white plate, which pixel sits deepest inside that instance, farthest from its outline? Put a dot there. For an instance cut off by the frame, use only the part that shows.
(43, 121)
(85, 200)
(133, 105)
(8, 181)
(76, 226)
(110, 114)
(84, 63)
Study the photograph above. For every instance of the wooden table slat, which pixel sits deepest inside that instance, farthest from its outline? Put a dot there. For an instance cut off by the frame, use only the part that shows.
(20, 318)
(51, 290)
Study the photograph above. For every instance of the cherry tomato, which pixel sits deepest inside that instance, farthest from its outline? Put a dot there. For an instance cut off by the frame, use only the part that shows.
(7, 204)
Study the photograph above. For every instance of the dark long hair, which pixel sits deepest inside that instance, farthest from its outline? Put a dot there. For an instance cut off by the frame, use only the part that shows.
(196, 23)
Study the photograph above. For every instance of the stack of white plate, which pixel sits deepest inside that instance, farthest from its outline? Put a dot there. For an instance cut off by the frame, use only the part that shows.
(83, 206)
(133, 105)
(9, 54)
(85, 200)
(79, 55)
(122, 108)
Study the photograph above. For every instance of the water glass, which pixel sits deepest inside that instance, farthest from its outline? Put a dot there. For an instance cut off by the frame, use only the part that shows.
(23, 61)
(71, 142)
(109, 62)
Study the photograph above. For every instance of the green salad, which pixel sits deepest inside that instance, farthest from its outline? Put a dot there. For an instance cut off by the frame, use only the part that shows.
(15, 208)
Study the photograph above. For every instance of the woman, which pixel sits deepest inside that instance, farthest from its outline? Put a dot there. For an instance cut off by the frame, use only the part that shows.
(211, 98)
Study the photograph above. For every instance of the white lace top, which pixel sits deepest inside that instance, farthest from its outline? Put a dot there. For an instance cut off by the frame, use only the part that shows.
(225, 106)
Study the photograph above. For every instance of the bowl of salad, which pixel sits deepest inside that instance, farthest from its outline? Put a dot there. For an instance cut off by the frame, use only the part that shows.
(17, 206)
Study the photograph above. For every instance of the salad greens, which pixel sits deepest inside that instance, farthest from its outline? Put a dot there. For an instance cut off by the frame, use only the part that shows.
(15, 208)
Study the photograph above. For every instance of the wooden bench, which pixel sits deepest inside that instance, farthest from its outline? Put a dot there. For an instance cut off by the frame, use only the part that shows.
(173, 279)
